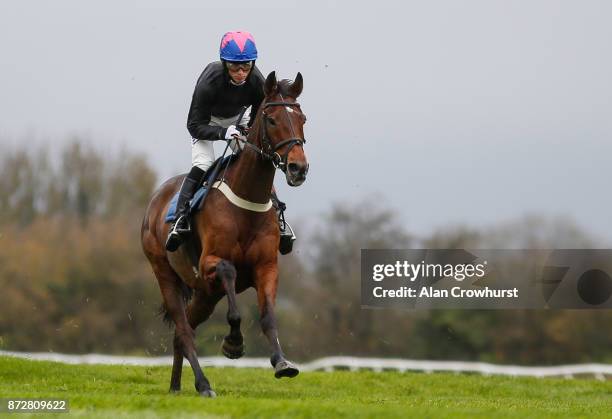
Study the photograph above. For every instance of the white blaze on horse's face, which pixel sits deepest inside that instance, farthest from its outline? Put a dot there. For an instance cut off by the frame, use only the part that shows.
(297, 165)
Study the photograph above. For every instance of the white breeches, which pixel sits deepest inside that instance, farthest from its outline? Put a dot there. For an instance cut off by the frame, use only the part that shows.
(202, 151)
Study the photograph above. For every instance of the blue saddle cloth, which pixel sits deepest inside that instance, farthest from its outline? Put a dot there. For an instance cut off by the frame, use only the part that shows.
(194, 204)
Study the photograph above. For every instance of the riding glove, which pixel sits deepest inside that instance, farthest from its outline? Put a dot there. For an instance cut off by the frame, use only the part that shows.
(230, 135)
(230, 132)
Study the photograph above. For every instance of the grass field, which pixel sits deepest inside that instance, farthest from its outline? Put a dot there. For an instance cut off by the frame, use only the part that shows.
(122, 391)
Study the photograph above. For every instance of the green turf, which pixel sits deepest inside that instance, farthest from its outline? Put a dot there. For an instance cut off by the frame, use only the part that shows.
(121, 391)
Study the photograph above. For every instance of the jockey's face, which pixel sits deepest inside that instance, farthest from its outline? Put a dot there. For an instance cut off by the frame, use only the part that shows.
(239, 71)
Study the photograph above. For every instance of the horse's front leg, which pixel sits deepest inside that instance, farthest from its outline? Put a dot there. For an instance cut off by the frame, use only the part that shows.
(266, 282)
(220, 275)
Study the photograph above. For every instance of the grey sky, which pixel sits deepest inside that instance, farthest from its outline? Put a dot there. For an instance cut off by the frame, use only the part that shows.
(454, 111)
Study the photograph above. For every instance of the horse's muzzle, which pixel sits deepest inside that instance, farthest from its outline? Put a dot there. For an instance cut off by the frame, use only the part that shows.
(296, 173)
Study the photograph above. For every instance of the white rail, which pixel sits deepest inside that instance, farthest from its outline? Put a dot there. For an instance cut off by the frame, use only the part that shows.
(599, 371)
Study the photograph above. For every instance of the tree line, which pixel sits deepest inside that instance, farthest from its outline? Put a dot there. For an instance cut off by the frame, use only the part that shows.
(73, 277)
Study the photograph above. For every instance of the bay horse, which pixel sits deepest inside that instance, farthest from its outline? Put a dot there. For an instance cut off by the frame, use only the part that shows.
(235, 245)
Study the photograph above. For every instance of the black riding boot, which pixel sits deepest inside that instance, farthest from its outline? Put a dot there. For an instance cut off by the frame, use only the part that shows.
(287, 237)
(181, 226)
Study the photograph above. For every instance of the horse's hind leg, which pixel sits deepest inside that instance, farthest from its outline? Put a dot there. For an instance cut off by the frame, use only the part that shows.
(201, 307)
(233, 344)
(177, 365)
(184, 335)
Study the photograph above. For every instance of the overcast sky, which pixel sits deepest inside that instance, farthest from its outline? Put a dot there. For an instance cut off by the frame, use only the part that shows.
(452, 111)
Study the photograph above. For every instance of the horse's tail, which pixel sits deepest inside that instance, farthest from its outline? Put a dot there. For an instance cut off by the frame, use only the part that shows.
(186, 292)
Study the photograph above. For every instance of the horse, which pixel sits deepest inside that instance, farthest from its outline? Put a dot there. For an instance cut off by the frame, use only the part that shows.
(235, 237)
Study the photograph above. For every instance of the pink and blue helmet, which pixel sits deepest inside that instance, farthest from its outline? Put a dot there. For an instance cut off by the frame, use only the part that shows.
(238, 46)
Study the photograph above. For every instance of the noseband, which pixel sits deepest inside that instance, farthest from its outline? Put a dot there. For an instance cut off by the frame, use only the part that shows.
(269, 151)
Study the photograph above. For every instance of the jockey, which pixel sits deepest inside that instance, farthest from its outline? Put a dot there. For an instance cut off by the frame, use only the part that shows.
(223, 89)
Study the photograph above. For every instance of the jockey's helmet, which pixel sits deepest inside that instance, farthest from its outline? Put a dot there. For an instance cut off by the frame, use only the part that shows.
(238, 46)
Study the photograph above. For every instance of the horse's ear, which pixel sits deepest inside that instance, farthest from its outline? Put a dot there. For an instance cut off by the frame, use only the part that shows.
(270, 85)
(296, 87)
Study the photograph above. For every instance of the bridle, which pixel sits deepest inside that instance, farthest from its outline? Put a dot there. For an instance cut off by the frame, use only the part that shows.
(269, 151)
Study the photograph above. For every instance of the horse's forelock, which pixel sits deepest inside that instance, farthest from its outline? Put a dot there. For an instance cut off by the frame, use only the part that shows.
(284, 87)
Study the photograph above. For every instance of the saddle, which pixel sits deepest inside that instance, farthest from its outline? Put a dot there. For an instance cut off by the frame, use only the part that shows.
(198, 197)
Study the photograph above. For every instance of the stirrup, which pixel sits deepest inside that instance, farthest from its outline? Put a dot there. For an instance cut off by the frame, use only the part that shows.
(174, 240)
(287, 237)
(176, 234)
(286, 230)
(176, 227)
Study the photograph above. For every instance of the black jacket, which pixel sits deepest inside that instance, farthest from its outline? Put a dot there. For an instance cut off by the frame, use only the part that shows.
(215, 95)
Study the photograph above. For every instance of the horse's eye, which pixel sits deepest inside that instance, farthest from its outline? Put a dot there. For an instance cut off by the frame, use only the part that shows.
(271, 121)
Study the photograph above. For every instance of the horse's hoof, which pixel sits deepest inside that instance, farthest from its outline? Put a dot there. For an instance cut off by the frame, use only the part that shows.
(231, 350)
(285, 369)
(208, 393)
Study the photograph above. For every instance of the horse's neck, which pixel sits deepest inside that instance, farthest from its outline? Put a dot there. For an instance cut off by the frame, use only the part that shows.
(252, 177)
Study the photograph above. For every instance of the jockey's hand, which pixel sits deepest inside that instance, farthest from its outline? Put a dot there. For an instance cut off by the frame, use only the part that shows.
(232, 137)
(244, 130)
(231, 132)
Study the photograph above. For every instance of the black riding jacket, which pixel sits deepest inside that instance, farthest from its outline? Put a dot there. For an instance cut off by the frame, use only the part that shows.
(215, 95)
